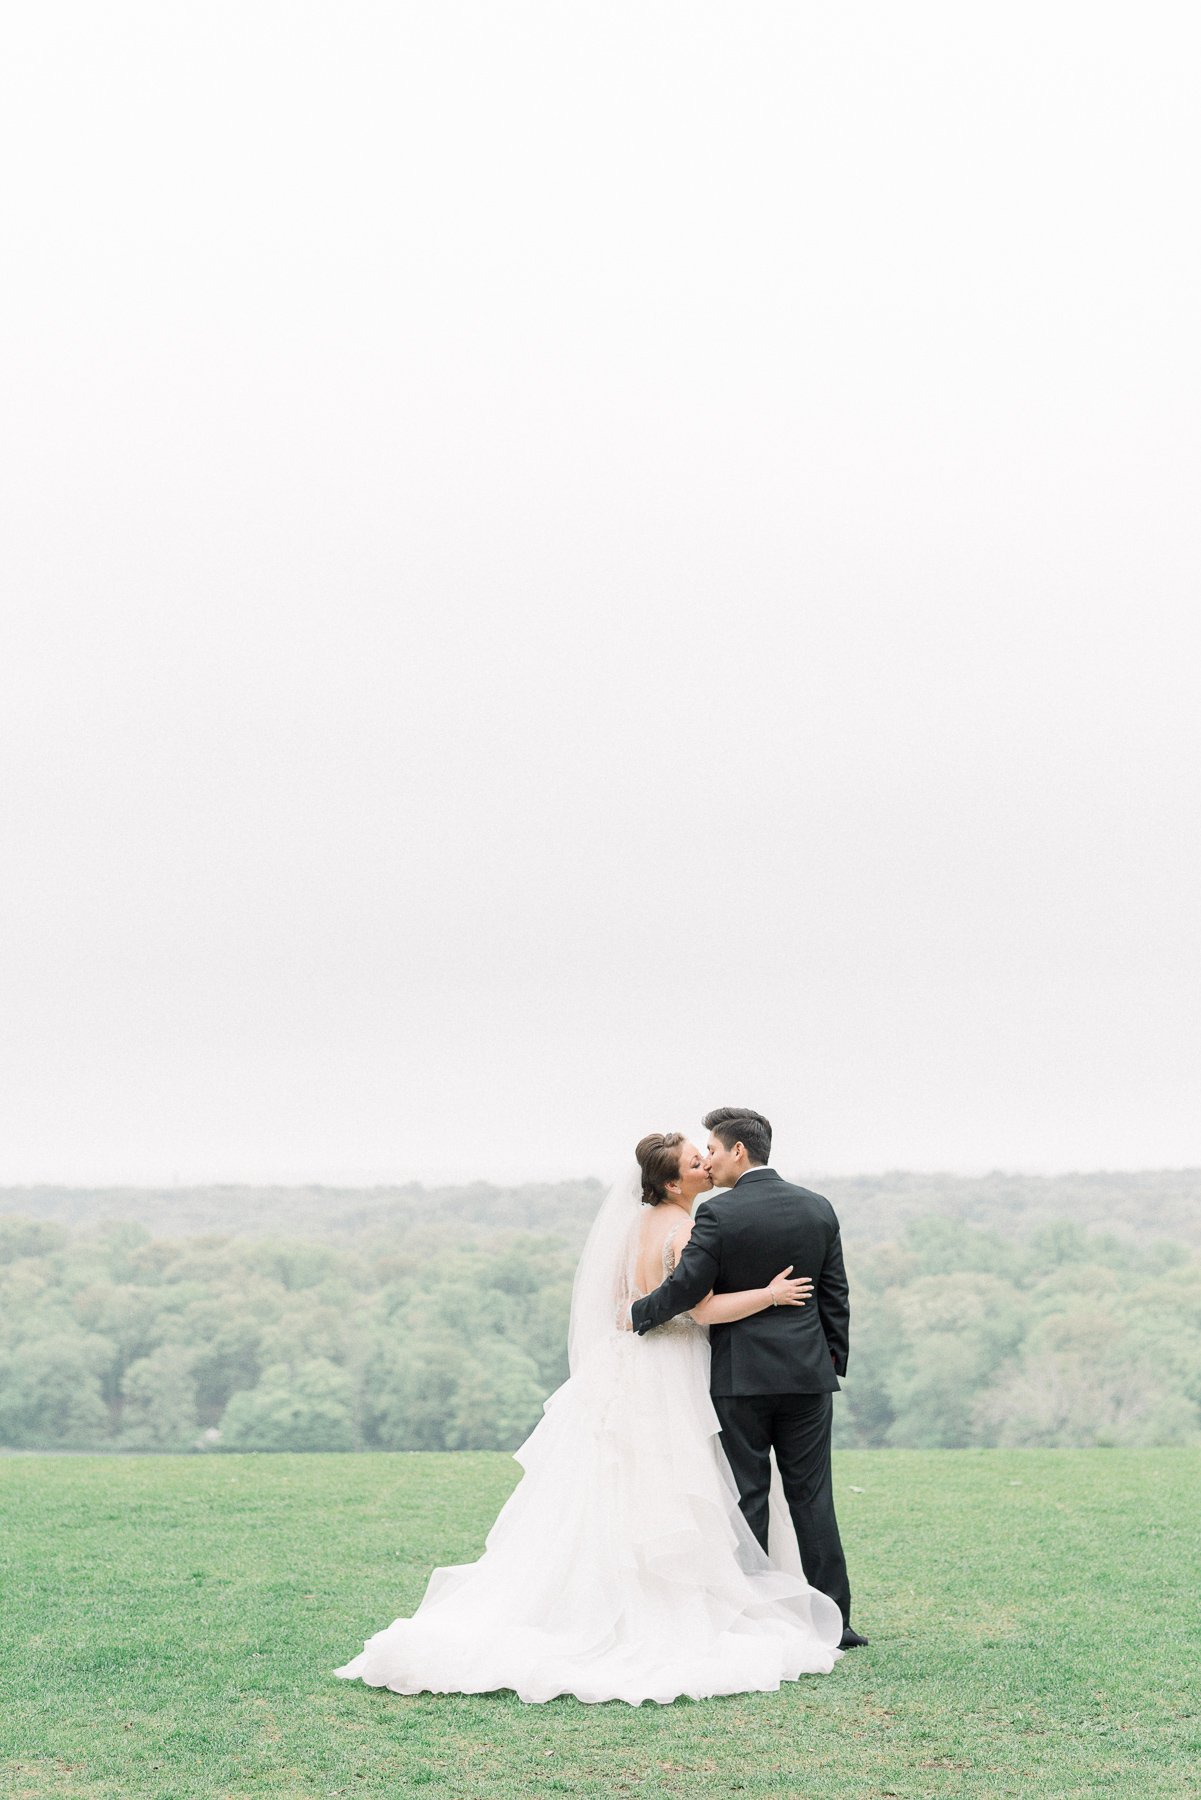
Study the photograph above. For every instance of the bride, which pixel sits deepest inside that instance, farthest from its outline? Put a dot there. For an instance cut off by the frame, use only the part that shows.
(621, 1567)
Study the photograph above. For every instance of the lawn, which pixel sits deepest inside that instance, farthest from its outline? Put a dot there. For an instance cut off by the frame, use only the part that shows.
(169, 1627)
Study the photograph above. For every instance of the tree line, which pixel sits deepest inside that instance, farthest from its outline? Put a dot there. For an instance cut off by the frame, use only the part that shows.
(114, 1339)
(874, 1209)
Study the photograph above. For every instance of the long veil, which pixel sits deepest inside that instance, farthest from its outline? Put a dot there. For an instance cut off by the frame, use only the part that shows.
(604, 1277)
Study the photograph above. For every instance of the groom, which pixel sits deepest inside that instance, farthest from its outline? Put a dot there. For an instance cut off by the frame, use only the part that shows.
(772, 1376)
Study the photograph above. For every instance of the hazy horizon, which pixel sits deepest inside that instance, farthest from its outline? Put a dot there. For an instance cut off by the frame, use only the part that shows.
(457, 1177)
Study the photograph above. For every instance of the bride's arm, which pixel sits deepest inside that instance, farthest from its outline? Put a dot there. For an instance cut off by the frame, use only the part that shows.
(785, 1290)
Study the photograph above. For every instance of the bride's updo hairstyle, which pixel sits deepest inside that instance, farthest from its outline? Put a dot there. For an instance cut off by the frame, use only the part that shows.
(659, 1159)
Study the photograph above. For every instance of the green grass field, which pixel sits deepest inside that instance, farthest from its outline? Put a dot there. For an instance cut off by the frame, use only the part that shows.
(169, 1626)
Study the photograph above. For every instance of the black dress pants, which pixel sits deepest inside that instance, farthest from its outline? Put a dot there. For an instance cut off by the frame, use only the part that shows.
(797, 1427)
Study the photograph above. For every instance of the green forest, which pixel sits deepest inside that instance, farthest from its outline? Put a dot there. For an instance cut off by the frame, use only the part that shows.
(999, 1313)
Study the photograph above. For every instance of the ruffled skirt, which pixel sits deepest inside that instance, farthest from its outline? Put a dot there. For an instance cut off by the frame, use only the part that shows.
(621, 1567)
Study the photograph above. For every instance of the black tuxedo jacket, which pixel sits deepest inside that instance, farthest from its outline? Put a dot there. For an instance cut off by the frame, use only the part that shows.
(741, 1239)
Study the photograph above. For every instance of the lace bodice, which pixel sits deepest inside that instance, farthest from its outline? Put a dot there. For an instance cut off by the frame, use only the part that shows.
(682, 1321)
(670, 1259)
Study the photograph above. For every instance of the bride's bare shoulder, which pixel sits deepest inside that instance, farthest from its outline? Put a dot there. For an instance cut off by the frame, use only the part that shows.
(660, 1224)
(663, 1221)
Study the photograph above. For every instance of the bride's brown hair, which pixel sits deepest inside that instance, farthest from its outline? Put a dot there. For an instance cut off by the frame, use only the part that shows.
(659, 1159)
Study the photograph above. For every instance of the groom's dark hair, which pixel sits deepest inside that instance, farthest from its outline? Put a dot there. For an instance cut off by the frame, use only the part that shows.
(739, 1125)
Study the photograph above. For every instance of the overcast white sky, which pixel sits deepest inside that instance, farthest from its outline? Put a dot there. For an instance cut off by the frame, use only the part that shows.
(568, 564)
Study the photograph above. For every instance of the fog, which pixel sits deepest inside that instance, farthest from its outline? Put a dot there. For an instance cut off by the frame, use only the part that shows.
(564, 566)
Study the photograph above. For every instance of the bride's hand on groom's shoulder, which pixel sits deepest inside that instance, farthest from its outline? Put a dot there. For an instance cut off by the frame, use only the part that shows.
(787, 1289)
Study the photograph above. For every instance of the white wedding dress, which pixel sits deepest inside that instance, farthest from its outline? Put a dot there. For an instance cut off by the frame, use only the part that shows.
(621, 1567)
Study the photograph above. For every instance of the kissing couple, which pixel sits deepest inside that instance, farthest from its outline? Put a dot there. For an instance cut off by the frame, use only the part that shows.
(674, 1529)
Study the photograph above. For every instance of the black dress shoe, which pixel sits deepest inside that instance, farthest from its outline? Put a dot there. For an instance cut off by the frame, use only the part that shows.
(850, 1640)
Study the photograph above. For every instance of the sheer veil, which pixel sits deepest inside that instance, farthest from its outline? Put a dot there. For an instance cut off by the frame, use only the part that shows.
(604, 1277)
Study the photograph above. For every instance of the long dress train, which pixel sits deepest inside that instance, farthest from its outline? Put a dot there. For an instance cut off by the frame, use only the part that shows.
(620, 1568)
